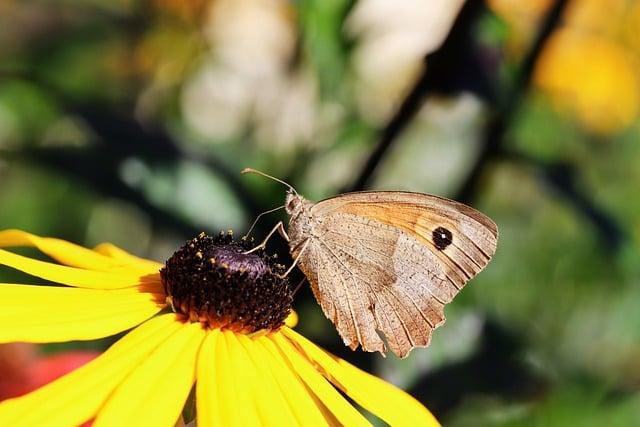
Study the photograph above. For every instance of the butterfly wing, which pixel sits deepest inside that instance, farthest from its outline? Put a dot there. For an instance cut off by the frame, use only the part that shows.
(390, 261)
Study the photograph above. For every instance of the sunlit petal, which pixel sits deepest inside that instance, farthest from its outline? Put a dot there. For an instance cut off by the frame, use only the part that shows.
(344, 412)
(54, 314)
(382, 399)
(207, 399)
(76, 397)
(73, 276)
(292, 319)
(291, 386)
(271, 404)
(235, 380)
(126, 258)
(67, 253)
(155, 393)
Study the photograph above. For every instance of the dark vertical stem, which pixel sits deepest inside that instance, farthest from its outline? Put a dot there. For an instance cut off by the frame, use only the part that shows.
(441, 63)
(499, 123)
(398, 123)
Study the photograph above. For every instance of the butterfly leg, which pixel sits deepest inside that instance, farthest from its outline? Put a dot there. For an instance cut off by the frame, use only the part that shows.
(279, 228)
(295, 261)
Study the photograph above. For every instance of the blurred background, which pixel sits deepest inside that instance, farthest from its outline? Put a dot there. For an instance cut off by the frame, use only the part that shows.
(128, 121)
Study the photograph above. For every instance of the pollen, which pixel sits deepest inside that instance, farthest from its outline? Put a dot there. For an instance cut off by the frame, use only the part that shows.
(212, 281)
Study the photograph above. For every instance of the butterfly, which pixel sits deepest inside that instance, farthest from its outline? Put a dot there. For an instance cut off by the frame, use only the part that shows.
(386, 262)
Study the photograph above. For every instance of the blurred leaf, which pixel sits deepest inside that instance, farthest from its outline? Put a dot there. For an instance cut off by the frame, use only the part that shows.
(25, 112)
(321, 23)
(569, 406)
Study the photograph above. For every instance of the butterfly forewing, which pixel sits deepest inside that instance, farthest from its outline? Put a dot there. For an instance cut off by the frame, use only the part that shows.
(390, 261)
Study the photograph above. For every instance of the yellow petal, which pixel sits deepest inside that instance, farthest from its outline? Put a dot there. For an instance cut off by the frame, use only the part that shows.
(292, 319)
(344, 412)
(391, 404)
(54, 314)
(272, 406)
(300, 398)
(72, 276)
(76, 397)
(126, 258)
(155, 392)
(235, 384)
(604, 94)
(67, 253)
(207, 399)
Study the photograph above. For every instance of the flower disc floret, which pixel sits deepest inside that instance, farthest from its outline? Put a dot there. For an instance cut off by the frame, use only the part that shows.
(213, 281)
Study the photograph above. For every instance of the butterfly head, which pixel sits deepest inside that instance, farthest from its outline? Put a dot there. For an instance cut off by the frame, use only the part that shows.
(300, 219)
(294, 203)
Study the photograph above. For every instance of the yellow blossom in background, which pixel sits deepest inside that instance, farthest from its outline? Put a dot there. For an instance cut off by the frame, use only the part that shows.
(606, 17)
(630, 31)
(598, 16)
(589, 67)
(271, 377)
(523, 19)
(591, 77)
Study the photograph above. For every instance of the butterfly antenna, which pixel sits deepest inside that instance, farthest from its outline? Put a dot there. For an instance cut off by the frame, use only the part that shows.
(259, 216)
(295, 291)
(251, 170)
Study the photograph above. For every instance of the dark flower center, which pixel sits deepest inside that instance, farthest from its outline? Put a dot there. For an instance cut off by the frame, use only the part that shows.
(210, 280)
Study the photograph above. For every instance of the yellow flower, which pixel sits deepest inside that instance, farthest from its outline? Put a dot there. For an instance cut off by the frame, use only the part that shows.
(592, 77)
(243, 376)
(589, 67)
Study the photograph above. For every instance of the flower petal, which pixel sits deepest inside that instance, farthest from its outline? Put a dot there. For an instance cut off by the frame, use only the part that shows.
(251, 396)
(126, 258)
(207, 399)
(292, 319)
(157, 389)
(76, 397)
(67, 253)
(235, 383)
(72, 276)
(272, 406)
(391, 404)
(53, 314)
(344, 412)
(300, 398)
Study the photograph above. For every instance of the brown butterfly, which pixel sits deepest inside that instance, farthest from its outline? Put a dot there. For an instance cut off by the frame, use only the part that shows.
(386, 261)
